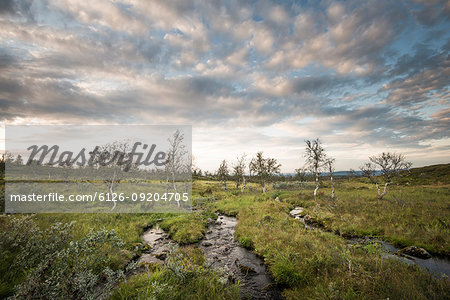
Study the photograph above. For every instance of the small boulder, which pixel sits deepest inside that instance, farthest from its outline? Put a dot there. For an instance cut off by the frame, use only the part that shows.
(210, 220)
(415, 251)
(206, 244)
(246, 269)
(161, 256)
(296, 211)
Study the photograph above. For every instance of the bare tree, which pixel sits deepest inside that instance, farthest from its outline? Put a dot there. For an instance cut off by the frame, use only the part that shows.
(390, 164)
(239, 172)
(330, 168)
(300, 174)
(110, 160)
(315, 159)
(222, 174)
(264, 169)
(175, 159)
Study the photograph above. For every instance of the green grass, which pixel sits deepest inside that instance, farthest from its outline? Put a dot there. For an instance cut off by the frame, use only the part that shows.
(319, 265)
(407, 215)
(189, 280)
(309, 265)
(187, 228)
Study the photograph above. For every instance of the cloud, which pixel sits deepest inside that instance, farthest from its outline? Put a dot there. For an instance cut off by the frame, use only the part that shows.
(355, 73)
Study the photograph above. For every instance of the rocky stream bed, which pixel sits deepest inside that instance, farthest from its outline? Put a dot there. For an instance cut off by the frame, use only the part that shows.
(222, 251)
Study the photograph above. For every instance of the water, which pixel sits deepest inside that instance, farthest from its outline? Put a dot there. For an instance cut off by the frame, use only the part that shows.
(222, 250)
(436, 265)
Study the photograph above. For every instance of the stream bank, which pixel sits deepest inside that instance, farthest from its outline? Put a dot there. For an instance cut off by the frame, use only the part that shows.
(222, 251)
(435, 265)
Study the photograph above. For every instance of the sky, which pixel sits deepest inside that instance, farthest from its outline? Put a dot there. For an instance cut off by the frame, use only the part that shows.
(362, 76)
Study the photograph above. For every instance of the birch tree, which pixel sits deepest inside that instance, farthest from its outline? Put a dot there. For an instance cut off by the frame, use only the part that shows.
(330, 168)
(390, 165)
(175, 159)
(239, 172)
(264, 169)
(110, 160)
(315, 159)
(222, 174)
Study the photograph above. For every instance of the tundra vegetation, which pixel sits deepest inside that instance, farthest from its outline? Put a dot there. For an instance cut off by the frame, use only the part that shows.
(83, 256)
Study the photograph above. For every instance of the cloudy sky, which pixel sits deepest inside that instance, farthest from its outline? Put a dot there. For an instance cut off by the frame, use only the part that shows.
(364, 77)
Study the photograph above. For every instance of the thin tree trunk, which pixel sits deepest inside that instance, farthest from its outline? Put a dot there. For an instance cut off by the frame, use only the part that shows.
(244, 184)
(384, 191)
(264, 187)
(332, 187)
(173, 182)
(317, 186)
(378, 190)
(167, 183)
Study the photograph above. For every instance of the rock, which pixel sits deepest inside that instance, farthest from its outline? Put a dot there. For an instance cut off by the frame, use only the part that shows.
(218, 223)
(159, 220)
(246, 269)
(210, 220)
(231, 279)
(296, 211)
(415, 251)
(161, 256)
(277, 199)
(206, 244)
(149, 259)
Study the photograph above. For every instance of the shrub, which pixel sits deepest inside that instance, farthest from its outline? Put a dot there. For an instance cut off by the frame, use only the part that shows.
(50, 264)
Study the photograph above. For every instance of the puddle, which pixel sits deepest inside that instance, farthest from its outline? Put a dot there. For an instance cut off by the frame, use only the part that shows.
(436, 265)
(222, 250)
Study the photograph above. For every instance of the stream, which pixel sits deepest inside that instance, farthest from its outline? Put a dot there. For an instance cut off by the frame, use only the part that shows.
(435, 265)
(222, 251)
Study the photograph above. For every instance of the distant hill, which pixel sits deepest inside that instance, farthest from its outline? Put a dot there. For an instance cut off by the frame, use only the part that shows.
(435, 174)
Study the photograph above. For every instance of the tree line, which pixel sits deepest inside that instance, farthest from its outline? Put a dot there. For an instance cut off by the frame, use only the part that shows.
(264, 170)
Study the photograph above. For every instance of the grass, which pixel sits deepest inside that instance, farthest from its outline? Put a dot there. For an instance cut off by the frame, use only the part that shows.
(407, 215)
(189, 280)
(187, 228)
(308, 264)
(318, 265)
